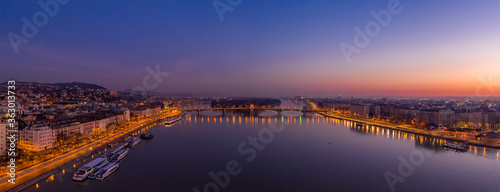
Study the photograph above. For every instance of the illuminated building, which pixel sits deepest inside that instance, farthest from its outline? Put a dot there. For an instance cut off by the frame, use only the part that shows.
(3, 135)
(36, 139)
(438, 117)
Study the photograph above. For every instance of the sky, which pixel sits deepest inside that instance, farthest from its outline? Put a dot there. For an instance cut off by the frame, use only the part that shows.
(260, 48)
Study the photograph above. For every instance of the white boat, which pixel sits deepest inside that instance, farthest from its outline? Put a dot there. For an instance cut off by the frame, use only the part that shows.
(120, 147)
(174, 119)
(107, 170)
(119, 155)
(88, 168)
(134, 141)
(187, 115)
(97, 169)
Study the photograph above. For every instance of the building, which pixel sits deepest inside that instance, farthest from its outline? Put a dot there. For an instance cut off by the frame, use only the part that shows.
(36, 139)
(145, 112)
(478, 118)
(100, 125)
(69, 130)
(365, 109)
(434, 117)
(126, 115)
(492, 120)
(374, 110)
(88, 128)
(360, 109)
(460, 116)
(3, 138)
(404, 113)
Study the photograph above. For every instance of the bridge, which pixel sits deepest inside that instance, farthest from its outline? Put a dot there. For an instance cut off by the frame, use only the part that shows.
(251, 108)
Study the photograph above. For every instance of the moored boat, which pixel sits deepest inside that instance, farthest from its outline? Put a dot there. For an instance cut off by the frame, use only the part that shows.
(173, 119)
(119, 155)
(120, 147)
(455, 146)
(146, 135)
(97, 169)
(107, 170)
(84, 171)
(134, 141)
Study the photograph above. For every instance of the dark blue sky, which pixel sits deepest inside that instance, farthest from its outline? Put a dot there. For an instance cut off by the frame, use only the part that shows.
(261, 48)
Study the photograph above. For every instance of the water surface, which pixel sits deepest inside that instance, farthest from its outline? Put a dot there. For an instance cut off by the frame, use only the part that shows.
(312, 153)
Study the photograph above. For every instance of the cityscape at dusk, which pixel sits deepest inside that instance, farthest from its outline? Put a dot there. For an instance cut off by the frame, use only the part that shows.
(240, 95)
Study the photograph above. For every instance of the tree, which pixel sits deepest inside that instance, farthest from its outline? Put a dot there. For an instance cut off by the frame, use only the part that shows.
(61, 139)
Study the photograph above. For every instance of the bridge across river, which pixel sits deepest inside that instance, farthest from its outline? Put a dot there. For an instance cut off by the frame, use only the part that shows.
(251, 109)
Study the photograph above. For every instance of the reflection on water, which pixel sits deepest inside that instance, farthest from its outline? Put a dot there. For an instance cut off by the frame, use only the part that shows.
(420, 140)
(180, 137)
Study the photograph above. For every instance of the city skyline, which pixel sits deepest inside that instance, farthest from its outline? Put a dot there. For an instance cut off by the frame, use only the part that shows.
(261, 48)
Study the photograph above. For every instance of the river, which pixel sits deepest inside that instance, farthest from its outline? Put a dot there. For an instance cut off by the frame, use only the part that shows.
(305, 153)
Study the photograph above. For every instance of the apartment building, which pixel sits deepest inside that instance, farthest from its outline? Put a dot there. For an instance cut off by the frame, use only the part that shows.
(36, 139)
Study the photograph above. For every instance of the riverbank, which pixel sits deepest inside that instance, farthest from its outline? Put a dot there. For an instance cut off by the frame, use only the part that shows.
(33, 174)
(469, 139)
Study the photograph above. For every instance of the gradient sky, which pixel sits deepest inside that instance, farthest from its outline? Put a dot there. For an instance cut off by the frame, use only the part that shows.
(262, 48)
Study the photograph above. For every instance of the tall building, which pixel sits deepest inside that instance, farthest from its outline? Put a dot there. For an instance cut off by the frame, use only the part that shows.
(478, 118)
(492, 118)
(365, 109)
(374, 110)
(436, 117)
(360, 109)
(36, 139)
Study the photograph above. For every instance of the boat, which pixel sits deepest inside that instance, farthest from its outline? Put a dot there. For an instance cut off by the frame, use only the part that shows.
(146, 135)
(84, 171)
(134, 141)
(455, 146)
(173, 119)
(119, 155)
(97, 169)
(120, 147)
(107, 170)
(187, 115)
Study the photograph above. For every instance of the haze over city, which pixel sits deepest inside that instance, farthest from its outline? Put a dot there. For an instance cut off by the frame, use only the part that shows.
(261, 48)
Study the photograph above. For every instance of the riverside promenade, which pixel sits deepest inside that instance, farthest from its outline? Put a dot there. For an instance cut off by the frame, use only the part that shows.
(465, 137)
(35, 173)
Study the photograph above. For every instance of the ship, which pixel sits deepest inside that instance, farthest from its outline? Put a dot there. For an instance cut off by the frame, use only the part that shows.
(134, 141)
(173, 119)
(97, 169)
(455, 146)
(84, 171)
(119, 155)
(107, 170)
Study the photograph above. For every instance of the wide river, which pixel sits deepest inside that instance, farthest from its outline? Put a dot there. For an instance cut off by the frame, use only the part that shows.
(306, 153)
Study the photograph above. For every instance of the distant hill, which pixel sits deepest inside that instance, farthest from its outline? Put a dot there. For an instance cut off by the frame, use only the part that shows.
(175, 94)
(79, 84)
